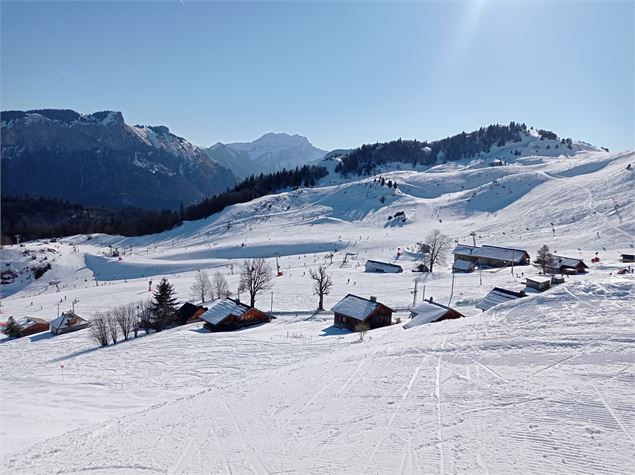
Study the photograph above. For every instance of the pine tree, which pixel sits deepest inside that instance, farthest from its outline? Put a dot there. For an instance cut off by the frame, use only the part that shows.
(544, 257)
(12, 329)
(164, 305)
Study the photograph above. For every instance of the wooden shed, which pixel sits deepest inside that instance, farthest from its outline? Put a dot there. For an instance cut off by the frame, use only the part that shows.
(491, 256)
(68, 322)
(229, 314)
(382, 267)
(352, 311)
(566, 265)
(429, 311)
(539, 283)
(32, 325)
(190, 313)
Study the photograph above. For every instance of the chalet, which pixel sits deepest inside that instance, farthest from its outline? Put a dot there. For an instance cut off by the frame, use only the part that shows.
(377, 266)
(68, 322)
(539, 283)
(463, 266)
(496, 163)
(627, 257)
(498, 295)
(352, 311)
(491, 256)
(430, 312)
(229, 314)
(190, 313)
(31, 325)
(566, 265)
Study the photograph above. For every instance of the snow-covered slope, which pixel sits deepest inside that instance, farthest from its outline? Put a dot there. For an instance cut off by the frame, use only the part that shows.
(537, 385)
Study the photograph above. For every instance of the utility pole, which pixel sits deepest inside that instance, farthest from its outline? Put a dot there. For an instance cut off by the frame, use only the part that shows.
(58, 310)
(271, 307)
(414, 297)
(451, 291)
(473, 234)
(423, 298)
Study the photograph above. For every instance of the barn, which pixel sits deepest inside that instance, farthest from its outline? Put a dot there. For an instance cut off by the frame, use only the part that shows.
(68, 322)
(539, 283)
(352, 311)
(491, 256)
(190, 313)
(498, 295)
(429, 311)
(566, 265)
(31, 325)
(381, 267)
(230, 314)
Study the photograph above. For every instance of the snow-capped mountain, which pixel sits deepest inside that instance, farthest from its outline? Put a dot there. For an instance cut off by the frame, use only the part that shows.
(98, 159)
(271, 152)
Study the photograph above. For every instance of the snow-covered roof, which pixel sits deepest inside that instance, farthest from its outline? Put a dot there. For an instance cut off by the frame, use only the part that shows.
(460, 264)
(356, 307)
(539, 279)
(559, 261)
(67, 319)
(28, 322)
(221, 309)
(382, 265)
(425, 312)
(496, 296)
(491, 252)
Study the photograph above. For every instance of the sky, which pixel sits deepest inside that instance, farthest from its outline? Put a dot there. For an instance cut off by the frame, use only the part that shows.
(342, 74)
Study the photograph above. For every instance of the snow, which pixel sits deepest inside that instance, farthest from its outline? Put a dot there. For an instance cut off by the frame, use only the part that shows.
(425, 312)
(496, 296)
(221, 309)
(541, 384)
(490, 252)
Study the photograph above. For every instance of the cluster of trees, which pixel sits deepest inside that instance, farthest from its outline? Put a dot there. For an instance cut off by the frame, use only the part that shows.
(205, 289)
(365, 159)
(123, 321)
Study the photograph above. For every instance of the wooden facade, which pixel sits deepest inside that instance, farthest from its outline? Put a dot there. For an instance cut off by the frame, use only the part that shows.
(32, 325)
(190, 313)
(229, 314)
(362, 311)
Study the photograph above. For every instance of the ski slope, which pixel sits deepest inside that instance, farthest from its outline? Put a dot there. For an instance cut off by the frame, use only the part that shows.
(541, 385)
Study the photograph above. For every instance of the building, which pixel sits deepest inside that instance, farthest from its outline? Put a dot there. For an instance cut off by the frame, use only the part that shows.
(429, 311)
(352, 311)
(31, 325)
(229, 314)
(68, 322)
(498, 295)
(566, 265)
(460, 265)
(627, 257)
(190, 313)
(377, 266)
(539, 283)
(491, 256)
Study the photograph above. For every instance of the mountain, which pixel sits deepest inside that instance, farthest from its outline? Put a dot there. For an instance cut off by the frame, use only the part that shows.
(271, 152)
(99, 160)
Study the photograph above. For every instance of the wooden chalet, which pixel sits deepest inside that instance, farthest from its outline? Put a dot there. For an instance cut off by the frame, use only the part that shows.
(381, 267)
(429, 311)
(539, 283)
(498, 295)
(460, 265)
(68, 322)
(190, 313)
(491, 256)
(566, 265)
(229, 314)
(352, 311)
(32, 325)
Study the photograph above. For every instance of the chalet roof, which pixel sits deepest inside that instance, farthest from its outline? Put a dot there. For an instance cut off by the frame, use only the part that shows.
(68, 319)
(539, 279)
(460, 264)
(221, 309)
(560, 261)
(491, 252)
(380, 264)
(498, 295)
(426, 312)
(355, 307)
(27, 322)
(188, 309)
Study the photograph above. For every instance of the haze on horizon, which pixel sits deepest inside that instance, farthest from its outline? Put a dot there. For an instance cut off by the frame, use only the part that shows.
(340, 74)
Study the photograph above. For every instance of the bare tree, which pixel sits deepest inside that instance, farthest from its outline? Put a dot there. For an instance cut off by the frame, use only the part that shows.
(255, 276)
(439, 245)
(321, 285)
(99, 329)
(126, 317)
(145, 315)
(544, 257)
(202, 287)
(113, 326)
(362, 328)
(220, 287)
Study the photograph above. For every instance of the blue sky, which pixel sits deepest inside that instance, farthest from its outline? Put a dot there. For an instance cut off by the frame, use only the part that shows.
(342, 74)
